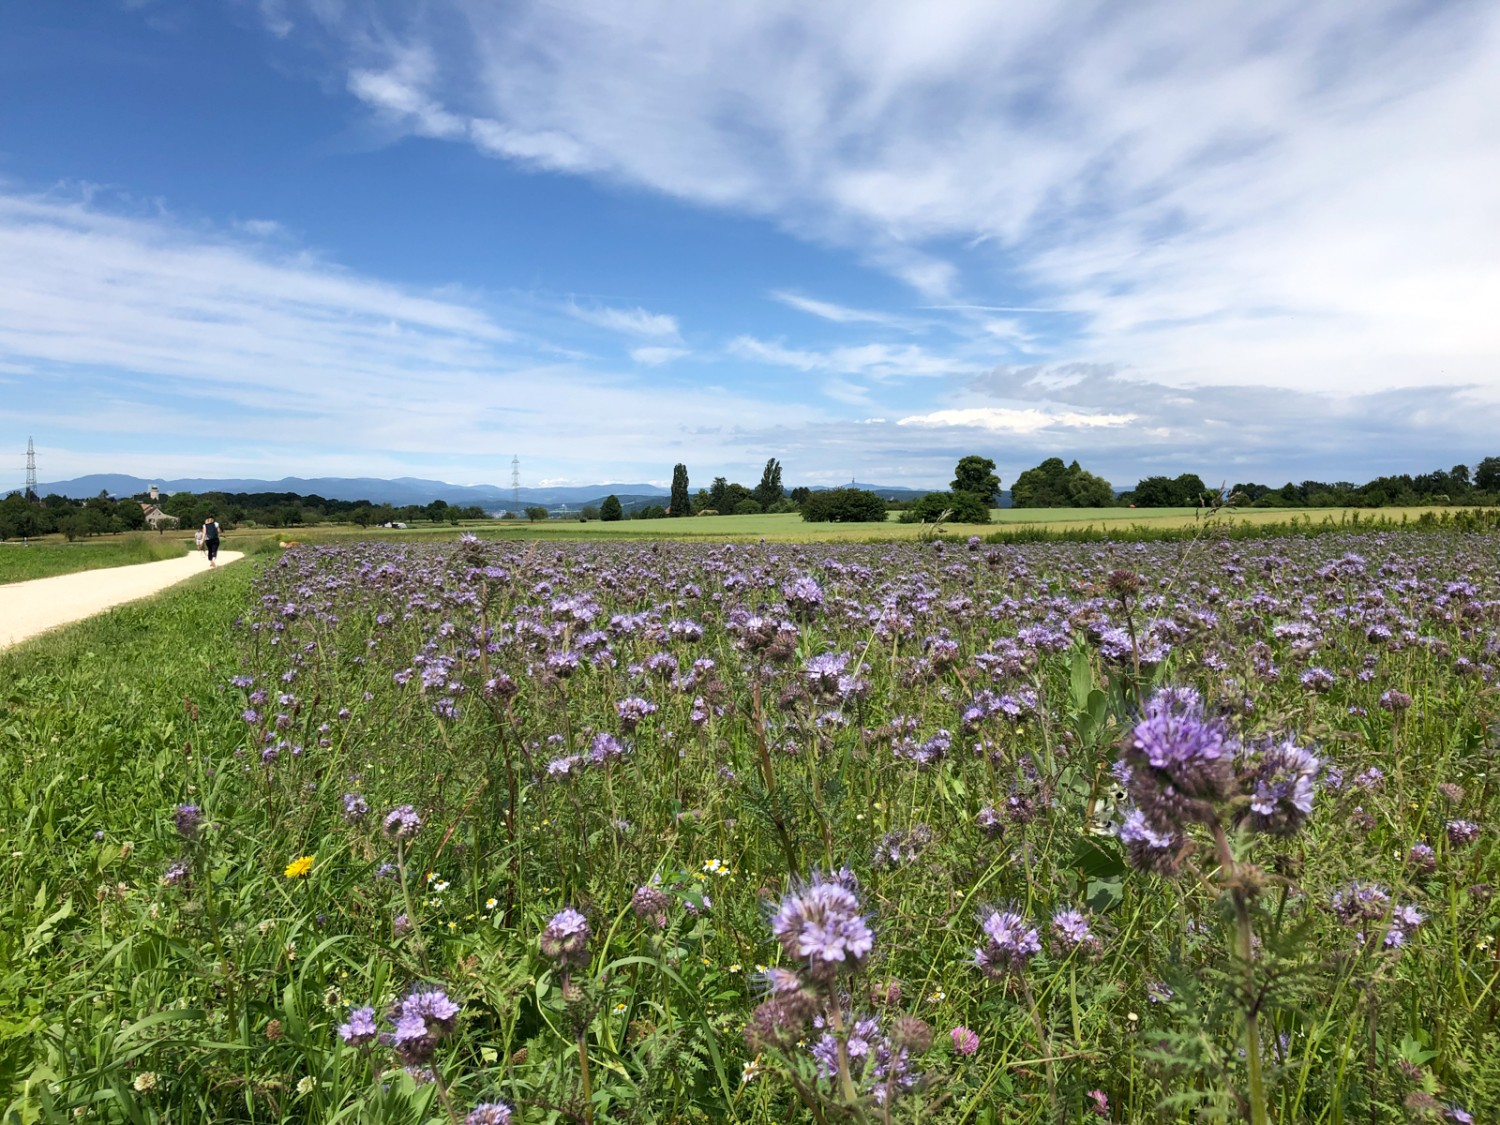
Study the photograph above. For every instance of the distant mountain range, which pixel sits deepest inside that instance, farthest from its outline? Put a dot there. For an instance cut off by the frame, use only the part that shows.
(399, 492)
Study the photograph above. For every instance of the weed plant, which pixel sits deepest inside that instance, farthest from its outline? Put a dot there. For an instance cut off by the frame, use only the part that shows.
(488, 831)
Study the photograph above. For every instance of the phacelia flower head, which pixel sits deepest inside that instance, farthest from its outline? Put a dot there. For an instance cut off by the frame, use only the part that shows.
(356, 808)
(489, 1113)
(423, 1018)
(1281, 780)
(1180, 761)
(1461, 832)
(189, 819)
(360, 1031)
(650, 905)
(1010, 942)
(566, 939)
(401, 823)
(819, 924)
(1070, 931)
(1148, 849)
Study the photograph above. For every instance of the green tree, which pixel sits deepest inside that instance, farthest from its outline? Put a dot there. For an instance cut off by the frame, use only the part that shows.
(748, 508)
(800, 494)
(682, 503)
(536, 513)
(718, 495)
(610, 511)
(961, 507)
(843, 505)
(590, 512)
(769, 490)
(1487, 474)
(976, 475)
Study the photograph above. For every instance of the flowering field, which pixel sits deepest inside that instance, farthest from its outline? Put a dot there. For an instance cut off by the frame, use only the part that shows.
(630, 832)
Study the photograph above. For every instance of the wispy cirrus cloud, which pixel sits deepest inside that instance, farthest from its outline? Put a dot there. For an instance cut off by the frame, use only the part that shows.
(631, 322)
(1287, 193)
(874, 361)
(842, 314)
(1000, 420)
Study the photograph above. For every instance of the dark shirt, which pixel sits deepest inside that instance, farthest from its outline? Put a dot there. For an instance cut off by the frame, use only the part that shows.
(210, 531)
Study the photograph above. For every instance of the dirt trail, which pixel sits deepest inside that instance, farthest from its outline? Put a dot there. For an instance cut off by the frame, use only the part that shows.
(29, 608)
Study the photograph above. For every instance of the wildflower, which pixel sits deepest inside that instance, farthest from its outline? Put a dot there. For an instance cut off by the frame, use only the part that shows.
(1158, 993)
(1317, 679)
(307, 1085)
(1010, 943)
(1070, 931)
(632, 710)
(650, 905)
(422, 1018)
(965, 1042)
(299, 867)
(751, 1070)
(401, 823)
(1180, 761)
(1150, 850)
(1099, 1104)
(189, 819)
(566, 939)
(1462, 832)
(489, 1113)
(606, 748)
(820, 923)
(1422, 858)
(401, 926)
(356, 808)
(176, 873)
(1281, 797)
(145, 1081)
(491, 902)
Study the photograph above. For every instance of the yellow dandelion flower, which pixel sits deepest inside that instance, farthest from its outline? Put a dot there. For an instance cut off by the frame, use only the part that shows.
(299, 867)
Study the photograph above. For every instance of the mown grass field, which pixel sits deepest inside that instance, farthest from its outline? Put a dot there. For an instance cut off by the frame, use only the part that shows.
(43, 558)
(579, 788)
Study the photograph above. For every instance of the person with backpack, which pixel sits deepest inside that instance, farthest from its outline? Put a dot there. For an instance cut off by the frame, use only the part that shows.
(211, 540)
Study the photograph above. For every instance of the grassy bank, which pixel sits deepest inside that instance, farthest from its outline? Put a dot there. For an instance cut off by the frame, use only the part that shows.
(44, 558)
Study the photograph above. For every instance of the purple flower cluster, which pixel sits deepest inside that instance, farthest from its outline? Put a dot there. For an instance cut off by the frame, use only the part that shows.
(1010, 942)
(401, 823)
(1180, 762)
(566, 940)
(819, 925)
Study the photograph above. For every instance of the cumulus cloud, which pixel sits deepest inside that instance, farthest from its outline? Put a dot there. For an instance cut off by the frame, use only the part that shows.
(999, 420)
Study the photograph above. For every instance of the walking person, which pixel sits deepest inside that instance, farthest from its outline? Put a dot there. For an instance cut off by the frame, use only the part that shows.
(211, 540)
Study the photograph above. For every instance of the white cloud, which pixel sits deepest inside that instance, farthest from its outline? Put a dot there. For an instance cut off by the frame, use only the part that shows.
(1005, 421)
(842, 314)
(875, 361)
(1277, 192)
(653, 357)
(145, 339)
(632, 322)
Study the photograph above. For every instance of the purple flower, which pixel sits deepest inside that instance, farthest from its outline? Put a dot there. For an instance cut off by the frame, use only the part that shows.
(605, 747)
(189, 819)
(1010, 942)
(1461, 832)
(824, 670)
(176, 874)
(1180, 762)
(566, 939)
(1148, 849)
(650, 905)
(1281, 776)
(632, 710)
(401, 823)
(965, 1042)
(1070, 931)
(803, 597)
(1423, 858)
(355, 807)
(423, 1018)
(360, 1031)
(489, 1113)
(820, 923)
(1317, 679)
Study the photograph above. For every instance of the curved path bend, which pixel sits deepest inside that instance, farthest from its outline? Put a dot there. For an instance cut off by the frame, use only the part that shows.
(32, 607)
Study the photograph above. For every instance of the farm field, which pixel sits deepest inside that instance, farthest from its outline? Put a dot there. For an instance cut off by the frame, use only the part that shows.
(405, 830)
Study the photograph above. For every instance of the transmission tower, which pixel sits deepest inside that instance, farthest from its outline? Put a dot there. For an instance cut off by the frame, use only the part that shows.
(30, 470)
(515, 481)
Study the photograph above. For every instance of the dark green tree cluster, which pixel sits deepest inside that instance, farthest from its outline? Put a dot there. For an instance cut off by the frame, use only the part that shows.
(610, 510)
(974, 490)
(1055, 485)
(843, 505)
(1186, 491)
(682, 503)
(1457, 485)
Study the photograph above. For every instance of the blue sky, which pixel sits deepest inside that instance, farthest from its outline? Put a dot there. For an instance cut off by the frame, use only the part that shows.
(384, 238)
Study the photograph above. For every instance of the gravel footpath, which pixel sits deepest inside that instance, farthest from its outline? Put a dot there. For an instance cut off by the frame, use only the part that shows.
(29, 608)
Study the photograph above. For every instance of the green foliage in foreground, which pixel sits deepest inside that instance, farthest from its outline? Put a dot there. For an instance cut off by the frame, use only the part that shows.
(42, 560)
